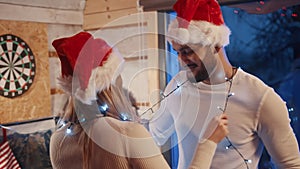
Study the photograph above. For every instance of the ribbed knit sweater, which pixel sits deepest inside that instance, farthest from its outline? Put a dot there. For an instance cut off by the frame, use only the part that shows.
(116, 145)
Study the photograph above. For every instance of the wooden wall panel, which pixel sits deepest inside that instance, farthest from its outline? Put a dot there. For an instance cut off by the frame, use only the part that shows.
(61, 30)
(99, 13)
(49, 4)
(156, 5)
(100, 20)
(96, 6)
(39, 14)
(34, 103)
(135, 37)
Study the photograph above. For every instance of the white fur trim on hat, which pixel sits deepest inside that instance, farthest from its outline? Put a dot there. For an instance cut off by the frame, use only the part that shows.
(101, 78)
(199, 32)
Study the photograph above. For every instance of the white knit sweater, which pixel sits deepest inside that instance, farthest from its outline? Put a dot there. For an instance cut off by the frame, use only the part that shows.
(257, 117)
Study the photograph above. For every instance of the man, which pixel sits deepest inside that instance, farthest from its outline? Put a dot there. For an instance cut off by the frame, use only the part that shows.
(210, 86)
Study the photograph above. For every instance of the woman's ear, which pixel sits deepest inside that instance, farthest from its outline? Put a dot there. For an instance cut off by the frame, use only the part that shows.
(217, 49)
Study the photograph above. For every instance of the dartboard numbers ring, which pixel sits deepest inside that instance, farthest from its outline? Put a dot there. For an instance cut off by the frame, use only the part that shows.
(17, 66)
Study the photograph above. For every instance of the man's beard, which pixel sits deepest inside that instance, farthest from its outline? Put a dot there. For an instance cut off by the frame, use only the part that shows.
(200, 76)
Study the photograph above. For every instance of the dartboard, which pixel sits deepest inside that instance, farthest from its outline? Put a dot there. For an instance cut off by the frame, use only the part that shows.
(17, 66)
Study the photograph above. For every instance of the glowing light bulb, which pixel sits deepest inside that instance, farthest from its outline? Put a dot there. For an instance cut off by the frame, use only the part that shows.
(125, 117)
(230, 94)
(248, 161)
(220, 108)
(82, 120)
(61, 124)
(69, 130)
(103, 109)
(162, 94)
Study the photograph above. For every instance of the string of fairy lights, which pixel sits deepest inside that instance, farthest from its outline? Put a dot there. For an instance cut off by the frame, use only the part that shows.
(229, 94)
(164, 96)
(231, 145)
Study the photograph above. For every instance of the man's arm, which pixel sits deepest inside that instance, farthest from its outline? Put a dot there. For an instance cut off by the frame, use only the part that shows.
(205, 150)
(276, 133)
(161, 126)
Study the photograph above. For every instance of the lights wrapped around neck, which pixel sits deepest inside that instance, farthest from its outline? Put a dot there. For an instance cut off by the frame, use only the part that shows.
(123, 116)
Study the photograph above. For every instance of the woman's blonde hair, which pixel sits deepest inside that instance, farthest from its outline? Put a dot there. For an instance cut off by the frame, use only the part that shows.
(117, 102)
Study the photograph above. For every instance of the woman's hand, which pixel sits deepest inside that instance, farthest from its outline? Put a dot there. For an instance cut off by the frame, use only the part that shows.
(221, 130)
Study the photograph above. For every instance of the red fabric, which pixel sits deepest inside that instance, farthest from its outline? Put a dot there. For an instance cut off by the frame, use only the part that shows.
(68, 50)
(198, 10)
(7, 158)
(80, 54)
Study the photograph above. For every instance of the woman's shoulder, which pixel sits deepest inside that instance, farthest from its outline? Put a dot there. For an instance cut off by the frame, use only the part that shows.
(124, 138)
(132, 129)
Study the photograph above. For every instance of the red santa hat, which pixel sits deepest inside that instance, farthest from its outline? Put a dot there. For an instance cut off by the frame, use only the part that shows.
(88, 65)
(198, 22)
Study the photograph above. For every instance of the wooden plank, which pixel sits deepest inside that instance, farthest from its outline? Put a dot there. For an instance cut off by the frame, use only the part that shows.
(144, 104)
(54, 91)
(100, 20)
(154, 5)
(53, 4)
(43, 15)
(97, 6)
(135, 58)
(52, 54)
(153, 61)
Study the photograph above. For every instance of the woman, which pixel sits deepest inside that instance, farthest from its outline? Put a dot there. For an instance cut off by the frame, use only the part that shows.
(99, 127)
